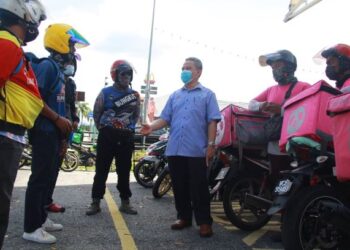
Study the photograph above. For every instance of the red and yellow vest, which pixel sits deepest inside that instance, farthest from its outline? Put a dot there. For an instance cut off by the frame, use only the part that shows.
(20, 100)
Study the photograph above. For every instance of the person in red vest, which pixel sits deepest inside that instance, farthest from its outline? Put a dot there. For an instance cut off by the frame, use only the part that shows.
(20, 101)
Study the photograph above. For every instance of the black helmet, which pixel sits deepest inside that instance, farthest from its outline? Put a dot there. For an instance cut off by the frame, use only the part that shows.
(281, 55)
(338, 50)
(342, 53)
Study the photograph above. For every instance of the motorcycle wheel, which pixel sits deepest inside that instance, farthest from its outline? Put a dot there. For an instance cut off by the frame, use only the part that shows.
(144, 173)
(243, 216)
(70, 162)
(302, 227)
(162, 185)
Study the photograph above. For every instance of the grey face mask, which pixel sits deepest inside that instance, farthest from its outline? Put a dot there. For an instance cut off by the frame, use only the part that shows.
(69, 70)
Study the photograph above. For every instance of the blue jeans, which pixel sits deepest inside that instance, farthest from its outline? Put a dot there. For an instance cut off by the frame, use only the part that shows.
(10, 155)
(45, 149)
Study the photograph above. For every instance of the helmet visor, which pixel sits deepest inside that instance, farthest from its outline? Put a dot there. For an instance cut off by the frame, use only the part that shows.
(267, 59)
(78, 40)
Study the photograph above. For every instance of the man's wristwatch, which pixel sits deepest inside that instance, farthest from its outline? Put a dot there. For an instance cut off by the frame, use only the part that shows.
(211, 144)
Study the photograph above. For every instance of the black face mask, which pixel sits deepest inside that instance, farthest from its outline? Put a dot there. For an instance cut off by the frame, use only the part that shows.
(280, 76)
(331, 73)
(31, 33)
(124, 78)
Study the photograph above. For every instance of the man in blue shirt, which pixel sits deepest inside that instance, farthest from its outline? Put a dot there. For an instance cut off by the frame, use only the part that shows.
(192, 113)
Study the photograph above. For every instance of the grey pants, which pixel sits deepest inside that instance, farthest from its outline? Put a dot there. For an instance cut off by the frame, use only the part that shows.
(10, 154)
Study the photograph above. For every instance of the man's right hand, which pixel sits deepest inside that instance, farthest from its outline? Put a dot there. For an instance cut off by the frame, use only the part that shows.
(146, 129)
(64, 125)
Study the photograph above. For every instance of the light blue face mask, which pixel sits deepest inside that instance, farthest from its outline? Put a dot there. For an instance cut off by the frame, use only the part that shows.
(69, 70)
(186, 76)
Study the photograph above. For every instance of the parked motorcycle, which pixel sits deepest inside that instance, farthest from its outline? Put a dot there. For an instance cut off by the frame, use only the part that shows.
(86, 156)
(152, 164)
(303, 194)
(219, 172)
(248, 194)
(70, 161)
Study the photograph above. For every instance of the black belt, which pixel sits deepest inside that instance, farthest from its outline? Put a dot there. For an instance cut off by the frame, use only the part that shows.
(12, 128)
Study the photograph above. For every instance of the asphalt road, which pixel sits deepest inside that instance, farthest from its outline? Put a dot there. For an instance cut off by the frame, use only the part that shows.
(150, 229)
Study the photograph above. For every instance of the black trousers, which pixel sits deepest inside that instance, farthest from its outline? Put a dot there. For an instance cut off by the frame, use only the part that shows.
(112, 143)
(45, 146)
(52, 184)
(10, 154)
(190, 186)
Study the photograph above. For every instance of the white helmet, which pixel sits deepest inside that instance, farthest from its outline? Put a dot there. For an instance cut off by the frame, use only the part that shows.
(27, 12)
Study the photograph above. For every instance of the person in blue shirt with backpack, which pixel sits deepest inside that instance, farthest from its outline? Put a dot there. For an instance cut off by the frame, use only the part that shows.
(48, 138)
(116, 112)
(68, 69)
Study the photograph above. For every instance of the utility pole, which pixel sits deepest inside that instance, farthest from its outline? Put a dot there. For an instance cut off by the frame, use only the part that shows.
(147, 92)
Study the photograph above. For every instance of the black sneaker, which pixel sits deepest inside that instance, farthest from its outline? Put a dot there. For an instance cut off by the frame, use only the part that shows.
(94, 208)
(125, 207)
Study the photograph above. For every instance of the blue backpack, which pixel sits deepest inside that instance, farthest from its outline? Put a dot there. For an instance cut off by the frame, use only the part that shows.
(35, 62)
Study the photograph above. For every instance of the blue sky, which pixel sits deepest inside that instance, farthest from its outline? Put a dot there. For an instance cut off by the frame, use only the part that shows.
(227, 35)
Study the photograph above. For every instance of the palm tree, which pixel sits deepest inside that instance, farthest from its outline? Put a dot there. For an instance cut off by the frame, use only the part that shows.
(83, 110)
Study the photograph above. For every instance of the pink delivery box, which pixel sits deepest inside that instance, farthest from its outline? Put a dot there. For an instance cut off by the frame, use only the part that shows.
(305, 114)
(239, 124)
(339, 110)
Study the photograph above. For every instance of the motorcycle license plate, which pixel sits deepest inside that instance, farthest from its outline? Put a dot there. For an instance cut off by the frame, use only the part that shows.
(283, 186)
(151, 158)
(222, 173)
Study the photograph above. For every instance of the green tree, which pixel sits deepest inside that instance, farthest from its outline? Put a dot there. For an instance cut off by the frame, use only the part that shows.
(83, 110)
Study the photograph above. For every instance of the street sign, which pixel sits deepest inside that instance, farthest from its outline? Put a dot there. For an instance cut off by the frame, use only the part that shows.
(152, 92)
(152, 88)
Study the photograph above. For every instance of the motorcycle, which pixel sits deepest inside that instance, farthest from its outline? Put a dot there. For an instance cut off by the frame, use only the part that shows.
(152, 164)
(306, 194)
(70, 160)
(219, 172)
(248, 194)
(82, 155)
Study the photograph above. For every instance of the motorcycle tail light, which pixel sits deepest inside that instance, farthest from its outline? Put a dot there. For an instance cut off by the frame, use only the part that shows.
(153, 153)
(314, 180)
(224, 158)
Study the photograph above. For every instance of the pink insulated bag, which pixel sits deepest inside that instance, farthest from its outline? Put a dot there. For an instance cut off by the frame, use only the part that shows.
(339, 110)
(305, 114)
(240, 124)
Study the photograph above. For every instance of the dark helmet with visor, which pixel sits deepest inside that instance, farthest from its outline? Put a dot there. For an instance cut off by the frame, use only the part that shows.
(281, 55)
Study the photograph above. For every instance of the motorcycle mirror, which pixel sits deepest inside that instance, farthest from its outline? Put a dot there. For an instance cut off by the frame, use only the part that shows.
(294, 164)
(321, 159)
